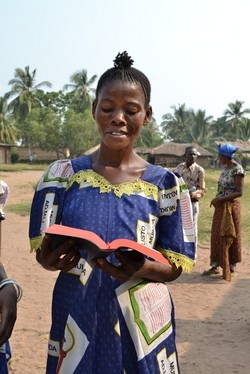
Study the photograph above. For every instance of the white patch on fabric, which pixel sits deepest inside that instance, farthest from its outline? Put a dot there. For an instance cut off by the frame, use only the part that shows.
(187, 217)
(57, 175)
(146, 307)
(73, 349)
(168, 201)
(53, 348)
(85, 274)
(145, 231)
(49, 211)
(167, 365)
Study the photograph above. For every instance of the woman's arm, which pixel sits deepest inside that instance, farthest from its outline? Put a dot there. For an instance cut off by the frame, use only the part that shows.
(8, 308)
(239, 183)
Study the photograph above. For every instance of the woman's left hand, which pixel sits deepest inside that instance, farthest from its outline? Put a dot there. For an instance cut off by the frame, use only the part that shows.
(216, 202)
(135, 265)
(130, 264)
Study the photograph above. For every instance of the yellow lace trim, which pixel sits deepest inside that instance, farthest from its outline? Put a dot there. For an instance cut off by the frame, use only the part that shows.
(35, 243)
(105, 186)
(178, 259)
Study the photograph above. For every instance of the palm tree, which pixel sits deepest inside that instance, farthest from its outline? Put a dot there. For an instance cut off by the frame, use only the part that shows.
(81, 88)
(200, 129)
(174, 126)
(8, 132)
(26, 93)
(233, 115)
(245, 129)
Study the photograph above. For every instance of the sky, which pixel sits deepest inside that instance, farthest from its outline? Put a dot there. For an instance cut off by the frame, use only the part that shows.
(193, 51)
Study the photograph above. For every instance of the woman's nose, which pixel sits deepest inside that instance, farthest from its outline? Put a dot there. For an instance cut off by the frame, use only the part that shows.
(119, 117)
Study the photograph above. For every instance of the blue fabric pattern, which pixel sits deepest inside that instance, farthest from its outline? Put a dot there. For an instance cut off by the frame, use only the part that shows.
(93, 315)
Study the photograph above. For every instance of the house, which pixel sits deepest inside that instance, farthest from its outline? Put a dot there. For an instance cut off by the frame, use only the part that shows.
(171, 154)
(5, 153)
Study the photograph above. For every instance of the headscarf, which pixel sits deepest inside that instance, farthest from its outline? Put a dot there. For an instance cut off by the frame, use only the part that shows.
(227, 150)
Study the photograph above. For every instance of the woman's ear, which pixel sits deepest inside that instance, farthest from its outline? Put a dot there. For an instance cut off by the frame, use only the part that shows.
(93, 108)
(148, 116)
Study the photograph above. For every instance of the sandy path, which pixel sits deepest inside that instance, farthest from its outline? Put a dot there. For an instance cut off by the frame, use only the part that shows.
(212, 316)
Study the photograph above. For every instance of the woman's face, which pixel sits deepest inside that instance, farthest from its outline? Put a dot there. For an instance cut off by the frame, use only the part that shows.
(120, 113)
(223, 159)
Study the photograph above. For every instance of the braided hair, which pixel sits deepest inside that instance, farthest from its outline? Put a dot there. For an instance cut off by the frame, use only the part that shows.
(124, 71)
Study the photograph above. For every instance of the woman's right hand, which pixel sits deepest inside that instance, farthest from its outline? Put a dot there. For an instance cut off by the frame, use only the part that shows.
(63, 258)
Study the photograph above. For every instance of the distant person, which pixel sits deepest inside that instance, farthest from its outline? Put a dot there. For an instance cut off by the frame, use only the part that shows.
(4, 194)
(31, 158)
(226, 225)
(10, 294)
(194, 177)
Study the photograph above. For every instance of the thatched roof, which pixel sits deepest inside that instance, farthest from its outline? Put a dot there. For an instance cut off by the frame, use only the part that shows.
(169, 148)
(178, 149)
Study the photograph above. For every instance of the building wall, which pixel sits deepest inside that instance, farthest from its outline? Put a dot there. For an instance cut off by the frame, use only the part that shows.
(5, 155)
(37, 153)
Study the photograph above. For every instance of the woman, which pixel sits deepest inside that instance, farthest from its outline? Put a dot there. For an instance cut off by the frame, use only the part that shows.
(226, 227)
(114, 315)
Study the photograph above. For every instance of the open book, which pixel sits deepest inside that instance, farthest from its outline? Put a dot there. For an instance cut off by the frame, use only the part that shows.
(96, 246)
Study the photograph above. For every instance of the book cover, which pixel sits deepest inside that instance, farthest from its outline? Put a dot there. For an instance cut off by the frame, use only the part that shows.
(97, 247)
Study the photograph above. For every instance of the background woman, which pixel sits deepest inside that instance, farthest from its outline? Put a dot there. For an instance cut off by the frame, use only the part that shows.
(226, 227)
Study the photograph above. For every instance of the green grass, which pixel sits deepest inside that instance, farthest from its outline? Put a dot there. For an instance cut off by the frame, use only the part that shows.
(206, 213)
(22, 167)
(22, 209)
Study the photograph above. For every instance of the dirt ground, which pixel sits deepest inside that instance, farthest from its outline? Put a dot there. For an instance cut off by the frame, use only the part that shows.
(212, 315)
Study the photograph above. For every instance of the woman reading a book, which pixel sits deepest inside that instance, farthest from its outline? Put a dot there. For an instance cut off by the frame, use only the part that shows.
(114, 314)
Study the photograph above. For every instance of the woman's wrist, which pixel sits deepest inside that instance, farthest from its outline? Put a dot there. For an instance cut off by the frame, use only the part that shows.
(18, 288)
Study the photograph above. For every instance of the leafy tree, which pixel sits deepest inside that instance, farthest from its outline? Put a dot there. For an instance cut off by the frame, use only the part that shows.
(42, 128)
(8, 132)
(150, 136)
(81, 88)
(79, 132)
(25, 93)
(57, 101)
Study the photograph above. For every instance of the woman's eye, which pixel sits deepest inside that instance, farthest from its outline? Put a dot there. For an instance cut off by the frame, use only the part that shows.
(106, 110)
(131, 112)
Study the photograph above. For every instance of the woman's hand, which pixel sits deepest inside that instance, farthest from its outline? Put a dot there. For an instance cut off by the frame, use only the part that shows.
(216, 202)
(135, 265)
(63, 258)
(8, 311)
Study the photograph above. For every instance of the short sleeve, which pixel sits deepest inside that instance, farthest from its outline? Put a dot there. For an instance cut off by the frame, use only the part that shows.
(47, 204)
(176, 228)
(238, 170)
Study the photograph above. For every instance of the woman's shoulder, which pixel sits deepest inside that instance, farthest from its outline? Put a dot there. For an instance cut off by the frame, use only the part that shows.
(162, 177)
(238, 169)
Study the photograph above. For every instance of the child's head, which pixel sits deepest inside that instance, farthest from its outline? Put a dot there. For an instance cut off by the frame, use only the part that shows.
(124, 71)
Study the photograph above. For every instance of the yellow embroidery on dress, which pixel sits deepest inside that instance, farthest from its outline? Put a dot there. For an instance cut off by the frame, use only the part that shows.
(178, 259)
(105, 186)
(35, 243)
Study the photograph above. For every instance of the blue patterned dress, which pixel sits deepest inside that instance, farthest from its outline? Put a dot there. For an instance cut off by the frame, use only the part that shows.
(5, 356)
(98, 324)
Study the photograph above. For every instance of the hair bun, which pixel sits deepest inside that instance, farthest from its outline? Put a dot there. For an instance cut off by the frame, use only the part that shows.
(123, 61)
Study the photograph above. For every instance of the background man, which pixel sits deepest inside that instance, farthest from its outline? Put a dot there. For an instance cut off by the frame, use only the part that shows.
(194, 177)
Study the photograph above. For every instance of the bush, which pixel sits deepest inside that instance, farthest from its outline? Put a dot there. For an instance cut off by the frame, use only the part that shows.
(14, 156)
